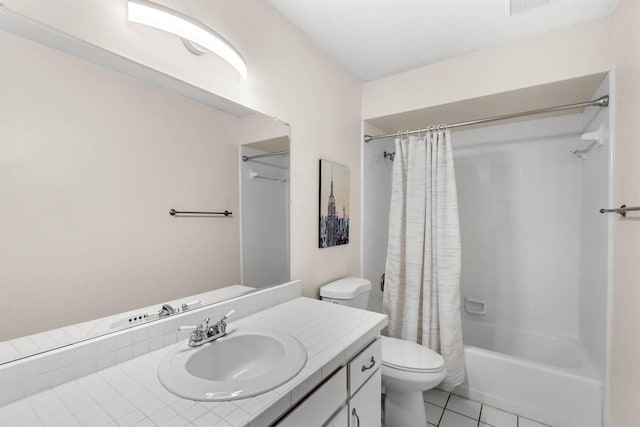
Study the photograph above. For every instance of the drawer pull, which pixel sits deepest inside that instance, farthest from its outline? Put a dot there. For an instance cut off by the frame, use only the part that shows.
(355, 414)
(373, 363)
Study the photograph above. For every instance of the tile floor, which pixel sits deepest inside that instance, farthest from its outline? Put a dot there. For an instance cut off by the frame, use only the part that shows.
(448, 410)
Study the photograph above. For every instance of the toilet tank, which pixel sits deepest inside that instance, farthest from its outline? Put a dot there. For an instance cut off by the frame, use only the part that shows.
(351, 291)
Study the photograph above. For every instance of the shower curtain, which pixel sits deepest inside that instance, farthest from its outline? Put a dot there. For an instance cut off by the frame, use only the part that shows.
(422, 290)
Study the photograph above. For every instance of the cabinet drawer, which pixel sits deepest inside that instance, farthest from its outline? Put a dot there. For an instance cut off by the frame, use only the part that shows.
(316, 409)
(363, 365)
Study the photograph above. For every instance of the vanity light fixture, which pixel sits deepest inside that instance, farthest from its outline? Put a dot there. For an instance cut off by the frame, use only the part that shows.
(196, 36)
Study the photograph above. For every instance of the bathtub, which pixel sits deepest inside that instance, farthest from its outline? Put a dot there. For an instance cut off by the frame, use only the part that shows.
(544, 378)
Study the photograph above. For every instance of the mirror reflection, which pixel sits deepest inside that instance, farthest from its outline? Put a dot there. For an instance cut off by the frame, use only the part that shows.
(92, 162)
(265, 211)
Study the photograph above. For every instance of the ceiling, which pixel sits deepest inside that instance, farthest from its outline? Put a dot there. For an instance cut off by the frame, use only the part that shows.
(378, 38)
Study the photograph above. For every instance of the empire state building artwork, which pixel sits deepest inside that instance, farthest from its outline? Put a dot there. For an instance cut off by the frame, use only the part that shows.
(334, 204)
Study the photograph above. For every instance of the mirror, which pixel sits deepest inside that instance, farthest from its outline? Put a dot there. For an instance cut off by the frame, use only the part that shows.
(92, 162)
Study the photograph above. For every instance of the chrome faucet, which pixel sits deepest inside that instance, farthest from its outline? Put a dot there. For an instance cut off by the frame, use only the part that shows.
(166, 310)
(203, 334)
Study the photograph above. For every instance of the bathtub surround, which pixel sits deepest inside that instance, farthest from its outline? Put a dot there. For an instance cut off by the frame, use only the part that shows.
(594, 236)
(422, 288)
(522, 209)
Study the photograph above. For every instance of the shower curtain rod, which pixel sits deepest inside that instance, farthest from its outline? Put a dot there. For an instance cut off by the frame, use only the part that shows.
(259, 156)
(603, 101)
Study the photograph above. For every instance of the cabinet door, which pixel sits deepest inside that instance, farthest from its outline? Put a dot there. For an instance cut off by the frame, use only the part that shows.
(341, 419)
(364, 407)
(317, 408)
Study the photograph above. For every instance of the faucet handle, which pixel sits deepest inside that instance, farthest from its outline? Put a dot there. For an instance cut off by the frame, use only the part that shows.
(191, 327)
(227, 315)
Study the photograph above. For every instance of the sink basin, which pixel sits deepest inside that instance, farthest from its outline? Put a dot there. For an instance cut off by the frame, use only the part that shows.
(242, 364)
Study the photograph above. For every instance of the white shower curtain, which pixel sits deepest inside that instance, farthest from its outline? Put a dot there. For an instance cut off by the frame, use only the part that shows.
(422, 290)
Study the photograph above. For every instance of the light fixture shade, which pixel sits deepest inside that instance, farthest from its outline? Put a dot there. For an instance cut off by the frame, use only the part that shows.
(174, 22)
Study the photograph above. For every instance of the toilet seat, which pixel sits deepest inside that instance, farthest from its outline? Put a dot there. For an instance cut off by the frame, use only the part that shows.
(408, 356)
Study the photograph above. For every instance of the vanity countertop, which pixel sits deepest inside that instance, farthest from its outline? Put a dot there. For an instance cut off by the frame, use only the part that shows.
(129, 394)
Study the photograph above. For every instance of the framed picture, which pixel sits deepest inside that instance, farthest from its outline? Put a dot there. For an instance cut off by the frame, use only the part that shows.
(334, 204)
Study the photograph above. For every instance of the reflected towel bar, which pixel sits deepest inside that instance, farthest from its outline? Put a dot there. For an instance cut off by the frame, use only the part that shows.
(259, 156)
(174, 212)
(622, 210)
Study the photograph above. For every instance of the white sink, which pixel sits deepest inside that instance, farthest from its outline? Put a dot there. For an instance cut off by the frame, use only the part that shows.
(242, 364)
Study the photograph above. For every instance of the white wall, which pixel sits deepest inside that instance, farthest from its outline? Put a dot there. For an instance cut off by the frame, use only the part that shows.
(289, 77)
(626, 268)
(91, 163)
(576, 51)
(265, 220)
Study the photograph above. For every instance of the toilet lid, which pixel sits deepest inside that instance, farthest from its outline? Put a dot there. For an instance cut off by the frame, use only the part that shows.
(409, 356)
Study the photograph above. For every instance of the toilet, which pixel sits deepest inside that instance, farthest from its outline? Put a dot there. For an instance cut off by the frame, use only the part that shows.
(408, 369)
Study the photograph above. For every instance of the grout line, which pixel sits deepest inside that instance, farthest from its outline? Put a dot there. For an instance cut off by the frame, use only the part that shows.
(444, 409)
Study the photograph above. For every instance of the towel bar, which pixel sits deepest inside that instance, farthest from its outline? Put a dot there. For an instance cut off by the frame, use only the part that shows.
(622, 210)
(174, 212)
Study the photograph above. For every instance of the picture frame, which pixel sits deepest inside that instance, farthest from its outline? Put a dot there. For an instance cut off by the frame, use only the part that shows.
(333, 227)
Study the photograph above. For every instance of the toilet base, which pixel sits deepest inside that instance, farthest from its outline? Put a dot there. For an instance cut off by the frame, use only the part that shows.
(404, 409)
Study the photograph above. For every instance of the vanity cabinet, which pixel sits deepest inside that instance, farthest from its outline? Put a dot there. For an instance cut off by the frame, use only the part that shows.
(318, 407)
(349, 398)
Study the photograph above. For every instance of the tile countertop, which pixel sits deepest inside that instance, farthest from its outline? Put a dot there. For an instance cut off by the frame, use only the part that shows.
(129, 394)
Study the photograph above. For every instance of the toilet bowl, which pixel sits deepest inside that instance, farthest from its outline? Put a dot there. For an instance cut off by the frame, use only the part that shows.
(408, 369)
